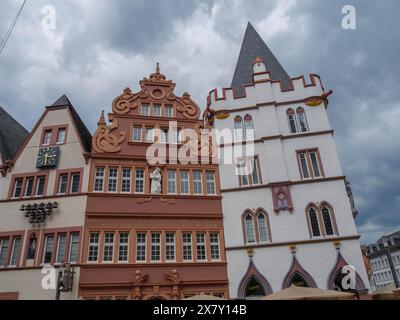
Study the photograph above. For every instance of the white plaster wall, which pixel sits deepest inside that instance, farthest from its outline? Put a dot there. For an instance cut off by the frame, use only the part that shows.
(274, 263)
(29, 285)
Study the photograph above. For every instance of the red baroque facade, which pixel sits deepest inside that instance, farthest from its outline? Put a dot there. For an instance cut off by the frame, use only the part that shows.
(142, 243)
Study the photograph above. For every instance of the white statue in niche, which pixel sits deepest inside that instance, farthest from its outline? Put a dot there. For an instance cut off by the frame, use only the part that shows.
(155, 177)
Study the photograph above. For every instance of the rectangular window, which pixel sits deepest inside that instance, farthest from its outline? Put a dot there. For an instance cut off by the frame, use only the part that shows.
(62, 184)
(112, 179)
(157, 110)
(168, 112)
(201, 246)
(139, 181)
(214, 246)
(171, 181)
(242, 172)
(248, 171)
(170, 246)
(187, 246)
(137, 134)
(3, 251)
(141, 247)
(48, 248)
(99, 180)
(123, 247)
(108, 250)
(62, 240)
(18, 187)
(75, 182)
(254, 171)
(15, 251)
(210, 182)
(29, 187)
(40, 184)
(93, 253)
(292, 123)
(176, 136)
(164, 135)
(73, 248)
(145, 110)
(184, 182)
(309, 162)
(155, 247)
(126, 180)
(197, 182)
(47, 137)
(149, 135)
(61, 135)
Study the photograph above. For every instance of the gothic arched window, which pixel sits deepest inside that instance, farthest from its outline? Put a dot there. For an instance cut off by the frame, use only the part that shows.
(302, 120)
(292, 120)
(262, 227)
(254, 289)
(249, 228)
(326, 216)
(238, 128)
(298, 281)
(249, 127)
(313, 218)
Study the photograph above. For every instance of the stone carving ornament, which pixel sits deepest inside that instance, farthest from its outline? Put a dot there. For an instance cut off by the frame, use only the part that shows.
(104, 140)
(155, 177)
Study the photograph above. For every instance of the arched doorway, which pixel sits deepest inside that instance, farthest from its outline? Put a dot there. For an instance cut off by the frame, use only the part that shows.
(254, 289)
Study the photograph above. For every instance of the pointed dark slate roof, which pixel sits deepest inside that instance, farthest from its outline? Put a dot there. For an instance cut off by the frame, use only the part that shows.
(253, 46)
(84, 133)
(12, 136)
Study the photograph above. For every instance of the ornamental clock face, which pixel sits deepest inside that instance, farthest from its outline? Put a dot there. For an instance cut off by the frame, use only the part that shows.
(47, 157)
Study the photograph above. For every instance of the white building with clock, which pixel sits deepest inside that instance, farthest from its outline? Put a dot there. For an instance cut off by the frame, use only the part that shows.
(287, 216)
(42, 204)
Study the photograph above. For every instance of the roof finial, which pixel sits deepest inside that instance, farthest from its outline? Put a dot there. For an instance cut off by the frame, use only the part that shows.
(102, 119)
(158, 68)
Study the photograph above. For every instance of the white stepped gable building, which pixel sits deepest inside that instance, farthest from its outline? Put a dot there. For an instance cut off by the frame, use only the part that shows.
(287, 216)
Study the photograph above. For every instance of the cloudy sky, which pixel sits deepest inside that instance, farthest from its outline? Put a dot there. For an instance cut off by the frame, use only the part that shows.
(99, 47)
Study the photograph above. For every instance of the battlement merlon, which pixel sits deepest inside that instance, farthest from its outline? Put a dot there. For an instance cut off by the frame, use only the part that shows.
(267, 91)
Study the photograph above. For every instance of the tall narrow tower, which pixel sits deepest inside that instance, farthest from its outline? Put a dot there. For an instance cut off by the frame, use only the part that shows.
(287, 217)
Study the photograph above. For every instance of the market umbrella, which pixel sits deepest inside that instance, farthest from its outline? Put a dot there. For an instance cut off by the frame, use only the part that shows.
(302, 293)
(386, 293)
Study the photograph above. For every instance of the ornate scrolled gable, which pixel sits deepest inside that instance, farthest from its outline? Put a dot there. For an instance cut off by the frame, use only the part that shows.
(104, 140)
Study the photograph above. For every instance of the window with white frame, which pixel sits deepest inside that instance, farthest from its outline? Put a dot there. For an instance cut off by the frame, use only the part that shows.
(74, 248)
(210, 182)
(18, 187)
(62, 184)
(201, 246)
(112, 179)
(291, 116)
(15, 251)
(170, 246)
(248, 171)
(48, 248)
(75, 182)
(141, 247)
(249, 228)
(126, 180)
(301, 120)
(108, 249)
(145, 110)
(3, 251)
(123, 247)
(326, 217)
(99, 180)
(310, 164)
(155, 247)
(47, 137)
(61, 246)
(249, 127)
(61, 135)
(137, 134)
(313, 216)
(164, 135)
(171, 181)
(197, 182)
(214, 246)
(238, 123)
(157, 110)
(187, 246)
(93, 254)
(29, 186)
(139, 180)
(149, 136)
(40, 185)
(184, 182)
(168, 112)
(262, 227)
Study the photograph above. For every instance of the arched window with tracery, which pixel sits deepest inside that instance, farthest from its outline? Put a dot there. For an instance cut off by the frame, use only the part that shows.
(254, 289)
(292, 120)
(314, 223)
(238, 128)
(262, 227)
(327, 218)
(302, 120)
(249, 228)
(298, 281)
(249, 127)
